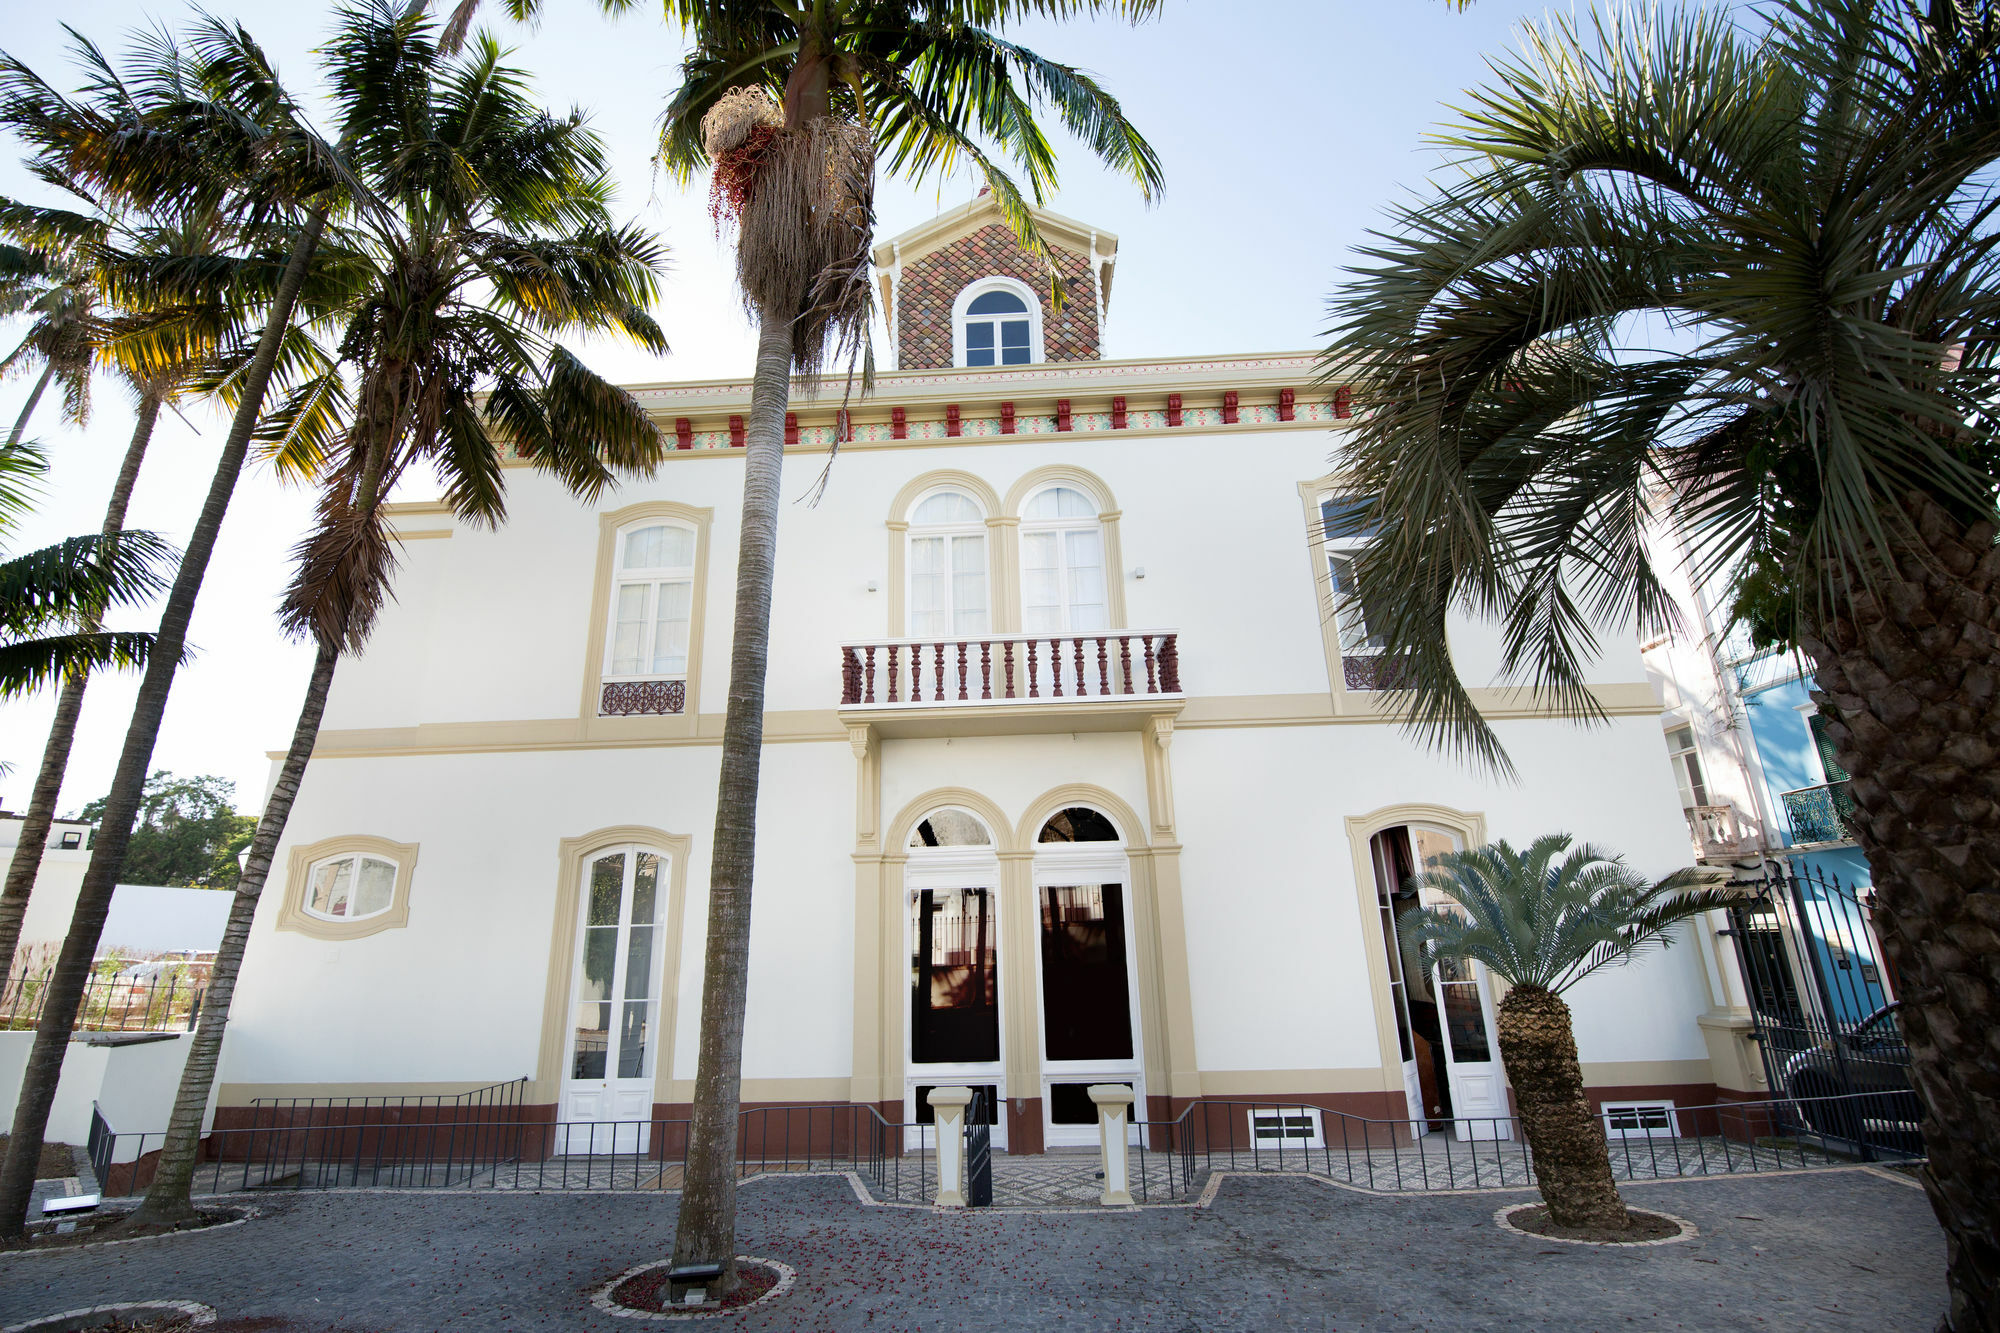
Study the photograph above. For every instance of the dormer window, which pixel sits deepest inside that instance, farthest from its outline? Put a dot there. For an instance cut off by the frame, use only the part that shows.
(997, 322)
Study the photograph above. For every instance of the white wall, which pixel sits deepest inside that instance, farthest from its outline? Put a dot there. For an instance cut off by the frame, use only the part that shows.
(133, 1083)
(144, 918)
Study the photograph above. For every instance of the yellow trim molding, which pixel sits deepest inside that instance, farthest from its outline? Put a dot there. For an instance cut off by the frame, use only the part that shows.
(292, 914)
(574, 853)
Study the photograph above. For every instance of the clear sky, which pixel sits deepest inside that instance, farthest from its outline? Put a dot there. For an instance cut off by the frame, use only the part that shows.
(1285, 127)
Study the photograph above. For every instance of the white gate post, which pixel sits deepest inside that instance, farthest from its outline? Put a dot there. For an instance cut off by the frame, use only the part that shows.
(949, 1107)
(1114, 1102)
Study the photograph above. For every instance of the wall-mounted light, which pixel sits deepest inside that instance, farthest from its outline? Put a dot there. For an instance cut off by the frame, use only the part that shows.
(1139, 572)
(873, 585)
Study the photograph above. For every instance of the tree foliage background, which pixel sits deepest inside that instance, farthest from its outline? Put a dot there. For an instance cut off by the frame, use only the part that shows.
(188, 834)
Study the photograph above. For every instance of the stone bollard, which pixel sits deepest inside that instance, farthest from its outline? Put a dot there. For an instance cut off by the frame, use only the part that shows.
(949, 1106)
(1114, 1107)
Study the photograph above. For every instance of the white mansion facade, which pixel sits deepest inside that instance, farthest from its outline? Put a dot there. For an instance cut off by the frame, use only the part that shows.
(1070, 775)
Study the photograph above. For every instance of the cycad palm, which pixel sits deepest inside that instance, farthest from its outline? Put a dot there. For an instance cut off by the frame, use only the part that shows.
(1757, 274)
(816, 93)
(1542, 919)
(482, 233)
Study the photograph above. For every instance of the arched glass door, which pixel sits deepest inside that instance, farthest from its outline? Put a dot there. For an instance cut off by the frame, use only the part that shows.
(1087, 966)
(607, 1097)
(1444, 1021)
(954, 1030)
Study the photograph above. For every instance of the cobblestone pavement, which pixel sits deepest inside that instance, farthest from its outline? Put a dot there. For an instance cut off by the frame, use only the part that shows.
(1835, 1250)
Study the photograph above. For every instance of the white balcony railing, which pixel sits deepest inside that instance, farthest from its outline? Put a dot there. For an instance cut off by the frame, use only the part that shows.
(1010, 668)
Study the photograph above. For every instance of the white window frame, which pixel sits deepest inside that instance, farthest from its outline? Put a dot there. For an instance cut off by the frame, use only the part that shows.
(947, 531)
(354, 887)
(1676, 755)
(1343, 605)
(972, 292)
(1636, 1110)
(1062, 525)
(1282, 1142)
(653, 578)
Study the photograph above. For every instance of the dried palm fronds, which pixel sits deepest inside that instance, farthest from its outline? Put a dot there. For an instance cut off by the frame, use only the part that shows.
(806, 217)
(343, 573)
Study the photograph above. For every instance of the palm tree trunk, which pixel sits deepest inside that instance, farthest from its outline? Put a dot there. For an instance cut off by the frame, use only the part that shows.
(1572, 1161)
(27, 862)
(706, 1232)
(168, 1202)
(121, 806)
(1910, 688)
(28, 408)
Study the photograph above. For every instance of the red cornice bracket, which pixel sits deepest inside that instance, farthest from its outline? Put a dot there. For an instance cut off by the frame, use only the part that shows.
(1229, 414)
(791, 428)
(1287, 404)
(1343, 402)
(899, 424)
(1173, 409)
(1118, 414)
(951, 419)
(1062, 414)
(736, 432)
(1006, 418)
(683, 433)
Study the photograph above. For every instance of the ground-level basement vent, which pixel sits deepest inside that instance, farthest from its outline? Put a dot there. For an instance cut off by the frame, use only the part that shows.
(1285, 1127)
(1640, 1120)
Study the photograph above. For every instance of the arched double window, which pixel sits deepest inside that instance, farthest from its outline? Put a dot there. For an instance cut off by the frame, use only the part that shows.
(652, 600)
(350, 888)
(1062, 563)
(947, 567)
(997, 322)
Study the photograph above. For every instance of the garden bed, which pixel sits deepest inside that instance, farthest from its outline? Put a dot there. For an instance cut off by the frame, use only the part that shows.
(1646, 1228)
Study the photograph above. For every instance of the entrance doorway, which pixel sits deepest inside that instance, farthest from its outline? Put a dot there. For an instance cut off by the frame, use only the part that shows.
(607, 1091)
(954, 1029)
(1444, 1019)
(1086, 965)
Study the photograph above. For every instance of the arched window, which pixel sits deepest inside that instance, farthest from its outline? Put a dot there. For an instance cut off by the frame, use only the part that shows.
(947, 567)
(1078, 823)
(949, 826)
(1062, 564)
(997, 322)
(350, 888)
(652, 596)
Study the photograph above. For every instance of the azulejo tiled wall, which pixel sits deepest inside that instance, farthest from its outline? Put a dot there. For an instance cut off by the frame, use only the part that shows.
(929, 286)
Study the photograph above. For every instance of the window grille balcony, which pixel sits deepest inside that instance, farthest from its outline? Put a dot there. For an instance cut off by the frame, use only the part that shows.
(1821, 814)
(1375, 671)
(1011, 668)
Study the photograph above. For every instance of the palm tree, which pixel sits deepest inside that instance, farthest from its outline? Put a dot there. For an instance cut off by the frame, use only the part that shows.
(60, 299)
(156, 340)
(485, 233)
(1542, 925)
(792, 105)
(211, 125)
(52, 599)
(1754, 271)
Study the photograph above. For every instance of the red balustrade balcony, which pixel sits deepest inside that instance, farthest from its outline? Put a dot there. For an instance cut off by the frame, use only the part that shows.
(1115, 665)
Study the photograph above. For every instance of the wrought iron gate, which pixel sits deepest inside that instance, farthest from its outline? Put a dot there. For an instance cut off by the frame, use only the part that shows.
(1824, 1005)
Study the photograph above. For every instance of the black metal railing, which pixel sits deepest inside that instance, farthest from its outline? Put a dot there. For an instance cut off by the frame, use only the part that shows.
(1821, 998)
(469, 1143)
(1820, 814)
(166, 1000)
(1175, 1158)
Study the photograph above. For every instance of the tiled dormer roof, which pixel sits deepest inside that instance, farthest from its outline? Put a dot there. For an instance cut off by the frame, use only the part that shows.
(925, 268)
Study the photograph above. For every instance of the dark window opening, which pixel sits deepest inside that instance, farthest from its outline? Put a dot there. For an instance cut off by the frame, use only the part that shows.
(954, 1009)
(1070, 1104)
(1086, 1002)
(980, 1111)
(1079, 823)
(1419, 1028)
